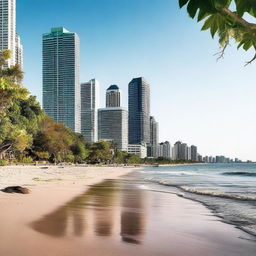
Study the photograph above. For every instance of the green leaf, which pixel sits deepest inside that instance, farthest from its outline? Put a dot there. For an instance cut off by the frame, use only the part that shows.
(202, 15)
(208, 23)
(214, 27)
(183, 2)
(248, 45)
(192, 8)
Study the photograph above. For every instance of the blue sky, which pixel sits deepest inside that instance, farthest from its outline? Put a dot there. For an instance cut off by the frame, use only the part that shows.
(194, 98)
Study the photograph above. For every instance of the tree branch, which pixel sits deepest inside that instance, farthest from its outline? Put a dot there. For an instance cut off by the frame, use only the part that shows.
(238, 19)
(222, 52)
(250, 62)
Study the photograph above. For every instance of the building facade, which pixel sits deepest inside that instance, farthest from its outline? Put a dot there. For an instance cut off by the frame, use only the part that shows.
(19, 52)
(8, 36)
(165, 150)
(89, 110)
(154, 138)
(61, 85)
(113, 97)
(194, 154)
(113, 126)
(139, 111)
(138, 149)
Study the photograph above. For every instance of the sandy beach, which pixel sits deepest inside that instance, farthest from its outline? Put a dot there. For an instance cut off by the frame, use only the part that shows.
(93, 211)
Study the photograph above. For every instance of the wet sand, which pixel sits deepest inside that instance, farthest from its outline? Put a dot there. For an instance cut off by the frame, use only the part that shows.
(116, 217)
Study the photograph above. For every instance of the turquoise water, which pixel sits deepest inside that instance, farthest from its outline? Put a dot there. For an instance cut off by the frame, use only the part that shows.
(227, 189)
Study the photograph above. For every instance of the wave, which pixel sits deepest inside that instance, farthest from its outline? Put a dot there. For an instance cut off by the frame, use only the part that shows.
(218, 194)
(204, 192)
(247, 174)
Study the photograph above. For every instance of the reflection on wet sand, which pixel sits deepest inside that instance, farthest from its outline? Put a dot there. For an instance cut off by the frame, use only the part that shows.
(101, 207)
(132, 217)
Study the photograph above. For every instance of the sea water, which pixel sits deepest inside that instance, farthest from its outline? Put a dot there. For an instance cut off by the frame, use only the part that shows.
(229, 190)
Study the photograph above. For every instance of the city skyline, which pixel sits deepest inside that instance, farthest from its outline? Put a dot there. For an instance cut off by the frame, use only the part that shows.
(219, 121)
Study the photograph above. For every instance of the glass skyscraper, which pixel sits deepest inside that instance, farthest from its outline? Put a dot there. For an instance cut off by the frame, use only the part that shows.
(89, 110)
(139, 111)
(113, 120)
(113, 97)
(61, 85)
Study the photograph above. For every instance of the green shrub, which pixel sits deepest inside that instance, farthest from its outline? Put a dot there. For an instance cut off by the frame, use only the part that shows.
(3, 162)
(26, 160)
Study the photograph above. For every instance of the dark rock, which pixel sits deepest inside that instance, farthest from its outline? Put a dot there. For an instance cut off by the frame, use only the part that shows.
(16, 189)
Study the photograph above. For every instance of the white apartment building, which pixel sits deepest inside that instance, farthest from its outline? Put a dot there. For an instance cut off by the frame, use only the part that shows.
(138, 149)
(8, 36)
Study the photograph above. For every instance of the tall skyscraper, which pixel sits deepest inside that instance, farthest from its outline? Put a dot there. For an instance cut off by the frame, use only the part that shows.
(113, 125)
(113, 97)
(184, 152)
(8, 36)
(89, 110)
(61, 86)
(139, 111)
(180, 151)
(194, 153)
(154, 138)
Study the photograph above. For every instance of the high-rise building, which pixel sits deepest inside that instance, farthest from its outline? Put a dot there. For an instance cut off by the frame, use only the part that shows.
(61, 86)
(180, 151)
(19, 52)
(89, 110)
(139, 111)
(165, 150)
(113, 97)
(154, 138)
(8, 36)
(194, 153)
(184, 152)
(113, 126)
(189, 153)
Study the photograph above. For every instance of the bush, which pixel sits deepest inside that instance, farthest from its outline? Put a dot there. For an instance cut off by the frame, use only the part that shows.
(26, 160)
(3, 162)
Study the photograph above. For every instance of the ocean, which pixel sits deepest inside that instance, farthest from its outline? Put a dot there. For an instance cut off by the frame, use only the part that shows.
(229, 190)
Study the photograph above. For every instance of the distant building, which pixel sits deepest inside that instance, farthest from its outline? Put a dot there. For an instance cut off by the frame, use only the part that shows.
(184, 152)
(194, 157)
(89, 110)
(61, 86)
(220, 159)
(165, 150)
(200, 158)
(139, 111)
(19, 52)
(113, 124)
(189, 153)
(138, 149)
(180, 151)
(154, 138)
(206, 159)
(113, 97)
